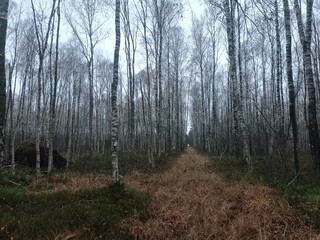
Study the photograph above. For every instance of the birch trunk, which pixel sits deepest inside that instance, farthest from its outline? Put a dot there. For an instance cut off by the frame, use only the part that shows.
(203, 119)
(130, 57)
(291, 88)
(3, 31)
(53, 99)
(279, 120)
(237, 104)
(42, 47)
(305, 33)
(114, 88)
(159, 123)
(143, 19)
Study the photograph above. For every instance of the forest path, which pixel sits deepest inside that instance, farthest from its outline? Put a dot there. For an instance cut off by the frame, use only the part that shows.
(189, 201)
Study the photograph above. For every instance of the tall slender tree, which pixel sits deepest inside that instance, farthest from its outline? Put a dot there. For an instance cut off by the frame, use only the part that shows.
(291, 88)
(53, 93)
(42, 36)
(279, 110)
(3, 32)
(83, 18)
(241, 133)
(143, 16)
(130, 49)
(114, 88)
(305, 33)
(200, 48)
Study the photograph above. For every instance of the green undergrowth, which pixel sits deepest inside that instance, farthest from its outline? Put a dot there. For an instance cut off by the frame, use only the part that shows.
(99, 213)
(86, 214)
(302, 192)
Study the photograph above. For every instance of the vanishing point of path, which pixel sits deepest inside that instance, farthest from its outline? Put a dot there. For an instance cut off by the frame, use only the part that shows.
(189, 201)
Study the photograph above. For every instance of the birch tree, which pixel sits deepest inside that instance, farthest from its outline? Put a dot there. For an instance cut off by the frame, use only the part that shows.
(143, 16)
(305, 33)
(83, 18)
(42, 31)
(212, 110)
(130, 50)
(164, 12)
(13, 117)
(3, 30)
(291, 88)
(114, 88)
(279, 93)
(53, 92)
(178, 55)
(200, 47)
(241, 133)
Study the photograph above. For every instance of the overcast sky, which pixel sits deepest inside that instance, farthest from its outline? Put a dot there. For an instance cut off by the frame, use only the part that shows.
(191, 8)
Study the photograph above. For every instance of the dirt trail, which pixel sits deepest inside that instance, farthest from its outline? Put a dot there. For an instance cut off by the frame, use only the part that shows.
(191, 202)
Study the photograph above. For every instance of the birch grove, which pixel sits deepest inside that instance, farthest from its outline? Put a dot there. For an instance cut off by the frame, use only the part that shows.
(239, 78)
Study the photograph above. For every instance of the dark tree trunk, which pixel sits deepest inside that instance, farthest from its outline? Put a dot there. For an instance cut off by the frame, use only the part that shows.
(279, 110)
(53, 96)
(3, 32)
(305, 33)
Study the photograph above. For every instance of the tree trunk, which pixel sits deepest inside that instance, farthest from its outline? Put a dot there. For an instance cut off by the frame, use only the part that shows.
(203, 119)
(42, 47)
(149, 111)
(237, 104)
(129, 42)
(159, 123)
(292, 98)
(279, 120)
(53, 99)
(305, 33)
(90, 75)
(114, 88)
(3, 32)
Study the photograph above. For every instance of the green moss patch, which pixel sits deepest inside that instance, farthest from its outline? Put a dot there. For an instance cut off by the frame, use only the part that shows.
(87, 214)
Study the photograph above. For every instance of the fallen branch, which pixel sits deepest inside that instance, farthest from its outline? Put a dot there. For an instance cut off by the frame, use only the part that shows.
(17, 184)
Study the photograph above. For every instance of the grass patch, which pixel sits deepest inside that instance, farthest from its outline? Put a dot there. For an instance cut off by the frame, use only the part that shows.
(22, 177)
(101, 163)
(73, 204)
(304, 194)
(88, 214)
(278, 172)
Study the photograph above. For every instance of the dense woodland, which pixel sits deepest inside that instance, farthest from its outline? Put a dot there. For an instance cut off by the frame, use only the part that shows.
(241, 79)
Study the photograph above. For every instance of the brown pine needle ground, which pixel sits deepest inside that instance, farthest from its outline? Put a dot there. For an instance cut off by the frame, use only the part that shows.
(73, 182)
(190, 202)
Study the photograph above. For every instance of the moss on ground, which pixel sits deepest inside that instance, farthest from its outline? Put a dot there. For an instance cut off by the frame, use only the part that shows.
(87, 214)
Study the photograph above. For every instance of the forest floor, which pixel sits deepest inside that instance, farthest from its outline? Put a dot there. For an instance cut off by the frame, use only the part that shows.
(190, 201)
(183, 199)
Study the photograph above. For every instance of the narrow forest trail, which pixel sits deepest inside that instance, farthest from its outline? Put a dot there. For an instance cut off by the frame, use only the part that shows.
(191, 202)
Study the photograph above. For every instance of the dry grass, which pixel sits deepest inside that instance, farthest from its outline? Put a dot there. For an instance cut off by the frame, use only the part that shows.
(66, 235)
(69, 181)
(189, 202)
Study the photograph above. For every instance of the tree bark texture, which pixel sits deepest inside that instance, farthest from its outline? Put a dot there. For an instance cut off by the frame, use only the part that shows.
(3, 32)
(53, 95)
(114, 88)
(42, 41)
(291, 88)
(279, 111)
(150, 141)
(237, 104)
(305, 33)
